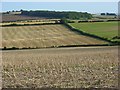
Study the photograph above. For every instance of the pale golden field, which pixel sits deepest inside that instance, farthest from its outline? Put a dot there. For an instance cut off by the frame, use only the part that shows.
(43, 36)
(61, 67)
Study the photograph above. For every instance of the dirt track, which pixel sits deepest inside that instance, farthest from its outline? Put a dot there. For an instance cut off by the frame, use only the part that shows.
(61, 67)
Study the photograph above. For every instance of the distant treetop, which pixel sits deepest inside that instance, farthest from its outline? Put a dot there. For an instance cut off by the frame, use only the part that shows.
(57, 14)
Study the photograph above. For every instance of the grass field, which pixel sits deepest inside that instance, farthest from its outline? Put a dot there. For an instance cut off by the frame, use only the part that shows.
(61, 68)
(102, 29)
(43, 36)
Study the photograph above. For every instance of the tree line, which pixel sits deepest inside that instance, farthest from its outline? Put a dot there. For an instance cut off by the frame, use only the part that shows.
(58, 14)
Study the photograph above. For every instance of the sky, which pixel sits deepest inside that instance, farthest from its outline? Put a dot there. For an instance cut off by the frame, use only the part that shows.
(91, 7)
(60, 0)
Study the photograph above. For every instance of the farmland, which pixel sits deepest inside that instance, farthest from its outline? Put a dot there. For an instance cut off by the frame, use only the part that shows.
(11, 18)
(28, 22)
(61, 68)
(50, 49)
(103, 29)
(43, 36)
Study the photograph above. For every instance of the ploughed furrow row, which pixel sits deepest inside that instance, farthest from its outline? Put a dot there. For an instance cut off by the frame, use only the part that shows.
(43, 36)
(76, 67)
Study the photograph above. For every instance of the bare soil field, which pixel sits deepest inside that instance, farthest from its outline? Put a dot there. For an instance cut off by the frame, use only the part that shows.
(43, 36)
(61, 67)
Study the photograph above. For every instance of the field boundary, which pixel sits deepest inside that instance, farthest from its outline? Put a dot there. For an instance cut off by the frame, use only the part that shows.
(89, 21)
(62, 46)
(12, 25)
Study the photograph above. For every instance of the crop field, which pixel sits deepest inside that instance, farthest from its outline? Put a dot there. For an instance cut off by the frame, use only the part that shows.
(103, 29)
(61, 67)
(10, 18)
(43, 36)
(33, 22)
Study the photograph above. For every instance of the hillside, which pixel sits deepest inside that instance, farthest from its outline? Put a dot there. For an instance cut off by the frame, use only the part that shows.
(58, 14)
(12, 17)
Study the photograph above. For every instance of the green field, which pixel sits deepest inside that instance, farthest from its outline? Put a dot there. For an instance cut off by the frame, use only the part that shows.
(103, 29)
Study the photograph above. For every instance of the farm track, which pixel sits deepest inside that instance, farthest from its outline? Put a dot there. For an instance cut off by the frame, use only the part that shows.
(43, 36)
(61, 67)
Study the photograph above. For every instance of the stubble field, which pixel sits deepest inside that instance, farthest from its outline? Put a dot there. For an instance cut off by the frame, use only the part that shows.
(43, 36)
(62, 67)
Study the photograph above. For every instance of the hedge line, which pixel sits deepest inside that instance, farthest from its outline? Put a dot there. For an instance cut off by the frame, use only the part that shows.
(61, 46)
(97, 21)
(29, 24)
